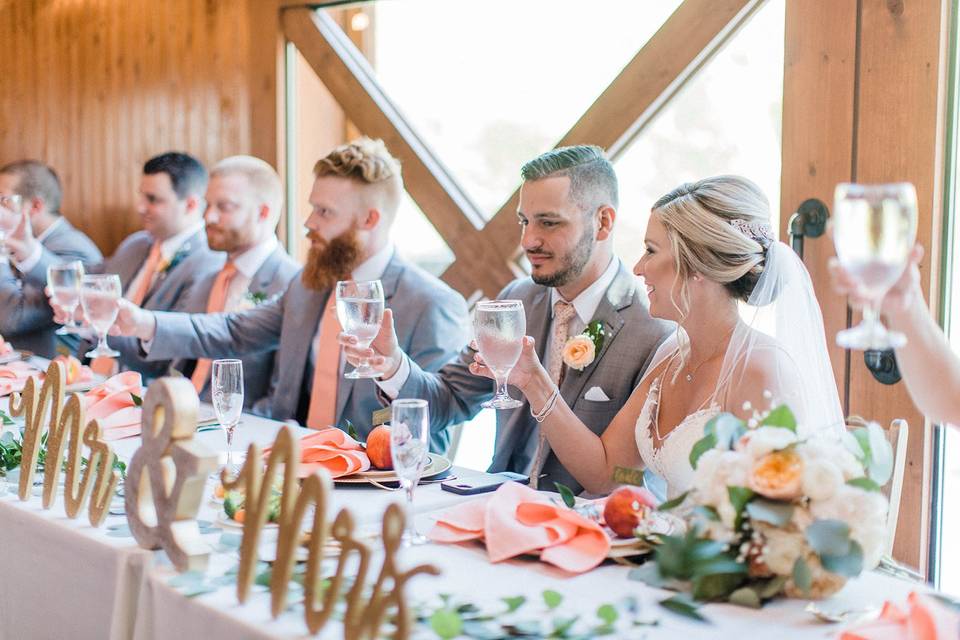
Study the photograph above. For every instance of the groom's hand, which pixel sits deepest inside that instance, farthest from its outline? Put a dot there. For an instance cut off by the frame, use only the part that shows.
(528, 368)
(134, 321)
(384, 353)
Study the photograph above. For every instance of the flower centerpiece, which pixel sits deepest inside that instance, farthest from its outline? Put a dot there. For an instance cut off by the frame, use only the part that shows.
(773, 513)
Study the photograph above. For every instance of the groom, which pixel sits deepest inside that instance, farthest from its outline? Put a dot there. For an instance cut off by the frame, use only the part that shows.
(568, 206)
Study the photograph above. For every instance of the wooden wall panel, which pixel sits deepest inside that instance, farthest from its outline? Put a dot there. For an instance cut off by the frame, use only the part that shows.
(95, 87)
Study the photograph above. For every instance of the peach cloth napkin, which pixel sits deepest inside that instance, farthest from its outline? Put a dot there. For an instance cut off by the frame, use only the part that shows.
(925, 619)
(111, 403)
(333, 450)
(517, 520)
(5, 347)
(14, 375)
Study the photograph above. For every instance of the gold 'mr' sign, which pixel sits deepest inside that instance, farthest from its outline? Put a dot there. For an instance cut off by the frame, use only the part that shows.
(166, 475)
(363, 618)
(99, 478)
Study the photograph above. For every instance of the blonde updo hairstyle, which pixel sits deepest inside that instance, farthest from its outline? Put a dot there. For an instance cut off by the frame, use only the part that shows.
(719, 228)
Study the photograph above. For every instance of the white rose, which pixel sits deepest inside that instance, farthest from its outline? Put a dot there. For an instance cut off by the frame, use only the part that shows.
(821, 479)
(822, 448)
(762, 441)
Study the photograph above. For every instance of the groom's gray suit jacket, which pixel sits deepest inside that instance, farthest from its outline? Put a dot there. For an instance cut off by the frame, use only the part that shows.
(26, 319)
(631, 338)
(431, 322)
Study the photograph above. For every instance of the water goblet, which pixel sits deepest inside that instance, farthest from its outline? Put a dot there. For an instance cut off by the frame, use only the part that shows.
(99, 295)
(360, 310)
(500, 326)
(409, 431)
(64, 281)
(874, 229)
(226, 390)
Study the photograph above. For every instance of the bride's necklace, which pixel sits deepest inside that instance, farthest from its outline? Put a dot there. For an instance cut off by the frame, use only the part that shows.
(690, 374)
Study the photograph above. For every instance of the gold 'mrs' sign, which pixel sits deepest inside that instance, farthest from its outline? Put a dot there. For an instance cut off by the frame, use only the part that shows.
(166, 476)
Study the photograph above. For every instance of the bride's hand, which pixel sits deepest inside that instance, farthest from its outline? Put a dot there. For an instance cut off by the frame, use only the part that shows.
(527, 369)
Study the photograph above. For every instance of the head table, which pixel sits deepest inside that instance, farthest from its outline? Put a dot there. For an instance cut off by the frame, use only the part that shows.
(64, 579)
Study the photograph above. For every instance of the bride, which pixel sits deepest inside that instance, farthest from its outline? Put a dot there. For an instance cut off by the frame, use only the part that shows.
(749, 335)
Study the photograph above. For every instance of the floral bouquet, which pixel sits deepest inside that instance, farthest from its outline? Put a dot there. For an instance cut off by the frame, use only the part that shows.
(772, 513)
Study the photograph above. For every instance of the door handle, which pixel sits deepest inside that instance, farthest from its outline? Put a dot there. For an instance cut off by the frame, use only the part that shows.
(809, 221)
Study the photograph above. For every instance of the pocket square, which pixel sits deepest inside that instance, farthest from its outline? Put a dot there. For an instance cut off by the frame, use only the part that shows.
(596, 394)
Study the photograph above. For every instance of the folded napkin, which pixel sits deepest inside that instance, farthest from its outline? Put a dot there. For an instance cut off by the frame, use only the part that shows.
(331, 449)
(5, 347)
(925, 619)
(517, 520)
(112, 404)
(14, 376)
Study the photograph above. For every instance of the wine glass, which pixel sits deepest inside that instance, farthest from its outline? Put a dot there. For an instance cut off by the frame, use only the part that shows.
(874, 229)
(98, 296)
(226, 389)
(500, 326)
(409, 430)
(9, 219)
(360, 310)
(64, 282)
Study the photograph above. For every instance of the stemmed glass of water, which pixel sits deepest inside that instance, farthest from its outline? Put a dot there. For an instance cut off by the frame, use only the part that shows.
(99, 295)
(409, 431)
(500, 326)
(9, 219)
(360, 310)
(64, 281)
(226, 389)
(874, 229)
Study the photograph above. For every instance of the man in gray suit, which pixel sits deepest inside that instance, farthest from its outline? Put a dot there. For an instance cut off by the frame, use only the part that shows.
(44, 237)
(567, 210)
(244, 199)
(355, 198)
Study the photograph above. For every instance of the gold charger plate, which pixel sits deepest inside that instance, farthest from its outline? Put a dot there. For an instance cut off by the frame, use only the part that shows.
(436, 464)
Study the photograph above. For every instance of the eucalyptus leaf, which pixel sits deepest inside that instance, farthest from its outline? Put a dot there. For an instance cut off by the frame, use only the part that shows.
(552, 599)
(704, 444)
(5, 419)
(863, 439)
(707, 513)
(514, 603)
(782, 417)
(351, 430)
(772, 587)
(608, 614)
(137, 400)
(716, 586)
(828, 537)
(673, 503)
(864, 483)
(770, 511)
(728, 428)
(881, 459)
(802, 576)
(447, 624)
(739, 497)
(682, 605)
(524, 628)
(562, 626)
(745, 597)
(566, 494)
(849, 565)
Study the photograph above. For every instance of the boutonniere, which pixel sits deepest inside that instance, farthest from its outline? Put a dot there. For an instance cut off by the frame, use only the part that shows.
(252, 300)
(581, 350)
(177, 259)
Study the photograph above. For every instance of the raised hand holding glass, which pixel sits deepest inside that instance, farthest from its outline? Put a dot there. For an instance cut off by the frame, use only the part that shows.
(98, 296)
(500, 326)
(64, 281)
(360, 310)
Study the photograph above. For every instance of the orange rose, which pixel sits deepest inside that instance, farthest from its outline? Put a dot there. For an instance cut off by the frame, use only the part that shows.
(579, 352)
(777, 475)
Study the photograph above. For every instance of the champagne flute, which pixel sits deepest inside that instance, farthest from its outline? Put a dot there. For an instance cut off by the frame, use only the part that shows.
(226, 389)
(9, 219)
(409, 430)
(500, 326)
(874, 229)
(64, 282)
(360, 310)
(98, 296)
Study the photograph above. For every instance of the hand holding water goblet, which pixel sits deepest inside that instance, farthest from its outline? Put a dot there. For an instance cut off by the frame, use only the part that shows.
(360, 311)
(99, 297)
(500, 326)
(874, 229)
(226, 391)
(409, 432)
(64, 281)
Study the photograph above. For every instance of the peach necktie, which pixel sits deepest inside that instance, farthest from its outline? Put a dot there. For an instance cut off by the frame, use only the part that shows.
(326, 371)
(215, 303)
(149, 270)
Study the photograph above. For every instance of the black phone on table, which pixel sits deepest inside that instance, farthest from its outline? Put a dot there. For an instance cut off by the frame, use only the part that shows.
(482, 482)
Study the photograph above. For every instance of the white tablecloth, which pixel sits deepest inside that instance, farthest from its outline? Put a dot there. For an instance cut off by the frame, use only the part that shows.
(61, 578)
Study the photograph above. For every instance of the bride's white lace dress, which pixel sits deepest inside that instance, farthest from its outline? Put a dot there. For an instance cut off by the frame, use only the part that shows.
(669, 458)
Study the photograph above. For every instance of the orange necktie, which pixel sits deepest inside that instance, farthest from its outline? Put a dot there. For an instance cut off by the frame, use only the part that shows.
(149, 270)
(215, 303)
(326, 371)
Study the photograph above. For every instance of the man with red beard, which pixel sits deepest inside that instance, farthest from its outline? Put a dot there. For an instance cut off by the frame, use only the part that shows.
(568, 206)
(354, 202)
(244, 199)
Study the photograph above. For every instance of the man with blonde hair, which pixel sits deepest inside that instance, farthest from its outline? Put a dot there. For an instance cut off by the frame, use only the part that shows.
(354, 202)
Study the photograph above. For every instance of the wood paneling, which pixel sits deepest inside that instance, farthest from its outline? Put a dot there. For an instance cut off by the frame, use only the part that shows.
(96, 87)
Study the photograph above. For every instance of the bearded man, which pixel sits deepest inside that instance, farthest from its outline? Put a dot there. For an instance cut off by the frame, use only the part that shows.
(355, 198)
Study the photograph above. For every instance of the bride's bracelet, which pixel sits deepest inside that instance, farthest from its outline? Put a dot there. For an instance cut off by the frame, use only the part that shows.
(548, 406)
